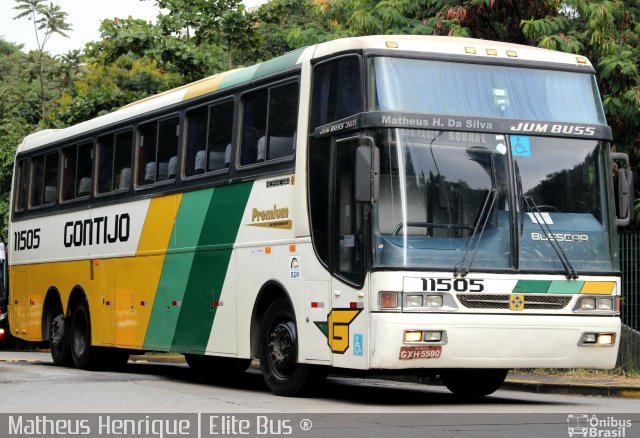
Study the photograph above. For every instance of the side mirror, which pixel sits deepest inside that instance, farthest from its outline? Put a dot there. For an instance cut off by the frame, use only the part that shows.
(367, 171)
(625, 190)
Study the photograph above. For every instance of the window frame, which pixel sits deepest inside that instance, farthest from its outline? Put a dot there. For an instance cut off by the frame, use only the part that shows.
(185, 138)
(96, 160)
(61, 179)
(240, 124)
(157, 120)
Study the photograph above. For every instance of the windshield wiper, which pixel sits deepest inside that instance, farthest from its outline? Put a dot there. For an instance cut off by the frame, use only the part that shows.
(462, 268)
(570, 273)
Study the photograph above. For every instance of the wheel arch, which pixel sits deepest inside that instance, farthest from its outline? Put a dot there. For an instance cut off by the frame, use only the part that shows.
(52, 301)
(269, 292)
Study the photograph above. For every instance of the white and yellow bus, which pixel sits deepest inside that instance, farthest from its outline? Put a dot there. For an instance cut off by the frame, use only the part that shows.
(421, 204)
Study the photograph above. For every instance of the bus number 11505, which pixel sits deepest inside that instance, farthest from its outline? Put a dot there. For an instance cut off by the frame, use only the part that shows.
(452, 284)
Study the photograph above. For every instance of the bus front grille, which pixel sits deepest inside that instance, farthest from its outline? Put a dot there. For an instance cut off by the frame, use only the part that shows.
(501, 302)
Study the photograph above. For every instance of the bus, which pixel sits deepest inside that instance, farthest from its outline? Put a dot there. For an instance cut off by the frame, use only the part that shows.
(4, 329)
(399, 204)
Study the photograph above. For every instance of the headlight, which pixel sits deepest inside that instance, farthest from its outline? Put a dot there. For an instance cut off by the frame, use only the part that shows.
(413, 301)
(605, 304)
(587, 304)
(433, 301)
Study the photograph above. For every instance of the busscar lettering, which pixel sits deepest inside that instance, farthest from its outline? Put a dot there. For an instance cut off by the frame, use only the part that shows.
(97, 231)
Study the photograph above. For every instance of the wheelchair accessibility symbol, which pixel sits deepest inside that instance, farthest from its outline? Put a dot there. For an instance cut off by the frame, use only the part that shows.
(520, 146)
(357, 344)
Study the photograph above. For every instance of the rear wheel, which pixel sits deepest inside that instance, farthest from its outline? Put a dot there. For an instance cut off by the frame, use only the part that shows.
(473, 383)
(82, 353)
(278, 352)
(59, 339)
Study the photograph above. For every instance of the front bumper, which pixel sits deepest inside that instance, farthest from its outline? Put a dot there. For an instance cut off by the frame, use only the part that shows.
(495, 341)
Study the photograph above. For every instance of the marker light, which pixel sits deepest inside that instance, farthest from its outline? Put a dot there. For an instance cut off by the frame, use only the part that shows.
(433, 301)
(2, 334)
(412, 336)
(413, 301)
(388, 300)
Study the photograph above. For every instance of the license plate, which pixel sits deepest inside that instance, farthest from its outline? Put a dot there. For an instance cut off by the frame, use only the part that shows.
(420, 352)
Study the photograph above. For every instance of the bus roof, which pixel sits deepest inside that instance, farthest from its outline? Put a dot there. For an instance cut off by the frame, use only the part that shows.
(408, 43)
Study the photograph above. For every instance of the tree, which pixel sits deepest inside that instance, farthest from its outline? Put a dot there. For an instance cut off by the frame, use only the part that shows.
(51, 20)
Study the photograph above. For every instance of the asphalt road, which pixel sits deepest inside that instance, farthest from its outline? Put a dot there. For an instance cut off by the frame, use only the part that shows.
(29, 383)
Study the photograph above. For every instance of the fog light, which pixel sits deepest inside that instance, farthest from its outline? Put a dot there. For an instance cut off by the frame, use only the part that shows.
(434, 301)
(412, 336)
(413, 301)
(606, 339)
(605, 304)
(432, 336)
(588, 338)
(388, 300)
(588, 304)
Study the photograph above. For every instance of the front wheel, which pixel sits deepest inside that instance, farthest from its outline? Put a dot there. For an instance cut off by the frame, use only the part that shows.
(473, 383)
(278, 353)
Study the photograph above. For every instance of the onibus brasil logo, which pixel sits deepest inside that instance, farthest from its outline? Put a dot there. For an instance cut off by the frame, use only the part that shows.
(592, 426)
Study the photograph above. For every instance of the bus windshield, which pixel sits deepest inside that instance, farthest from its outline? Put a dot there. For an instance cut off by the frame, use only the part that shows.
(449, 88)
(446, 196)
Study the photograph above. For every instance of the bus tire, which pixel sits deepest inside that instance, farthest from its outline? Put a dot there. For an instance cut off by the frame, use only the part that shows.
(278, 353)
(59, 339)
(473, 383)
(82, 353)
(216, 366)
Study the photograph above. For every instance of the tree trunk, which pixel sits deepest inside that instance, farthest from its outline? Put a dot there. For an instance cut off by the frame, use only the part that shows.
(42, 96)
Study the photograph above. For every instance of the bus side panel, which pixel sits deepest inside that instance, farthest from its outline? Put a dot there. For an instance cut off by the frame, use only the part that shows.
(209, 268)
(187, 228)
(18, 301)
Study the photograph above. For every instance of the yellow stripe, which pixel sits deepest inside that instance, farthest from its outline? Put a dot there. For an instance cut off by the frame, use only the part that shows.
(204, 86)
(138, 277)
(598, 287)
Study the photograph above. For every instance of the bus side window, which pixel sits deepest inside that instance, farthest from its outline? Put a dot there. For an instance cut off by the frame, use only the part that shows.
(21, 186)
(158, 151)
(269, 124)
(76, 171)
(44, 180)
(114, 162)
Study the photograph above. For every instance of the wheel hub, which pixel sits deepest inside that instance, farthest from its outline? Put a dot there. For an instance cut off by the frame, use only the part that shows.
(282, 346)
(57, 331)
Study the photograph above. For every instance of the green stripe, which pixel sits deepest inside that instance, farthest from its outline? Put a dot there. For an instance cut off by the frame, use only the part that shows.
(175, 270)
(565, 287)
(258, 71)
(532, 287)
(209, 268)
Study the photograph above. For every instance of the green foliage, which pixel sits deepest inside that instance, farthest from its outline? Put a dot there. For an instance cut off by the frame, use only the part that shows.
(12, 130)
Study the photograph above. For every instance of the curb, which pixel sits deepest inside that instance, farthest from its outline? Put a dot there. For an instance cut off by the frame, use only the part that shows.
(597, 390)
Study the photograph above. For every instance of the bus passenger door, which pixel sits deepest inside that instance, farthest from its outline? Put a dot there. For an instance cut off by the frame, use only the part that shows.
(348, 321)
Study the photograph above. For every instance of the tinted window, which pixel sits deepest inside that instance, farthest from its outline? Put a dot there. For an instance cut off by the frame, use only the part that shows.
(269, 124)
(20, 186)
(114, 162)
(209, 138)
(44, 179)
(337, 91)
(158, 151)
(76, 171)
